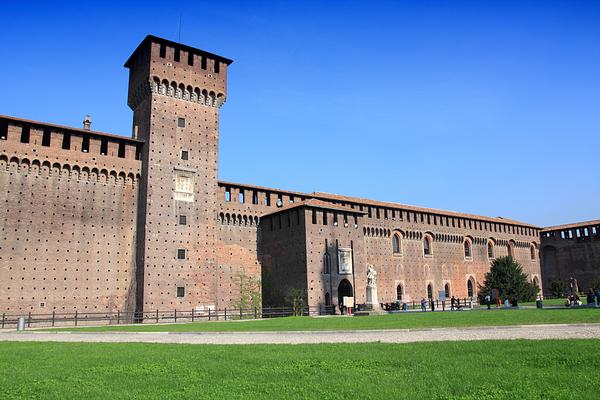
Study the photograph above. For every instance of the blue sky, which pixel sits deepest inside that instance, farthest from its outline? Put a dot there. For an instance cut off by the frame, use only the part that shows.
(490, 108)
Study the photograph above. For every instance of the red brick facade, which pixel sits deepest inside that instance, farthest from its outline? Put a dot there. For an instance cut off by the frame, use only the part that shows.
(571, 251)
(93, 221)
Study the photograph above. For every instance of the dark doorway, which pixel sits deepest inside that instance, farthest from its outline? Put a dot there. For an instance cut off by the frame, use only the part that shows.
(344, 289)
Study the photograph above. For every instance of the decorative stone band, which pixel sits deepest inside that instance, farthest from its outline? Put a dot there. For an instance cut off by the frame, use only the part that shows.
(176, 90)
(92, 174)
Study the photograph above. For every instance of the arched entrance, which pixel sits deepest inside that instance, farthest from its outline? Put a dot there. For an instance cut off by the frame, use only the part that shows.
(344, 290)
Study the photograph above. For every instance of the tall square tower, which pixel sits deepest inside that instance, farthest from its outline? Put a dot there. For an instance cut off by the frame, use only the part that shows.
(175, 92)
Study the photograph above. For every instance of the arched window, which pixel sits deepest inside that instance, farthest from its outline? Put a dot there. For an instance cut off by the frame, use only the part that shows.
(447, 290)
(396, 243)
(467, 249)
(427, 246)
(429, 291)
(399, 292)
(470, 291)
(509, 250)
(532, 249)
(490, 249)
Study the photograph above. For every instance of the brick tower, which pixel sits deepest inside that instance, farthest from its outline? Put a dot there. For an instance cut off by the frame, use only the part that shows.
(175, 92)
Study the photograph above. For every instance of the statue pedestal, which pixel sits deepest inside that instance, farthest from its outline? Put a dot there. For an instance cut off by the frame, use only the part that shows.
(372, 296)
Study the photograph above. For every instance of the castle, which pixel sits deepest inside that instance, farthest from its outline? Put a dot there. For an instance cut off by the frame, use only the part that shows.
(99, 222)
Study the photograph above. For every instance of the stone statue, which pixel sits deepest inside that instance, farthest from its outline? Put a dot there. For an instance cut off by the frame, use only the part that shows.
(371, 276)
(371, 285)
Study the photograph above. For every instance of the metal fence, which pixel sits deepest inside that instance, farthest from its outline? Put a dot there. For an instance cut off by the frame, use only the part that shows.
(156, 317)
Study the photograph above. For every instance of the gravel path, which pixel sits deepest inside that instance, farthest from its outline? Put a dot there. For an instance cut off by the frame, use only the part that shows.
(563, 331)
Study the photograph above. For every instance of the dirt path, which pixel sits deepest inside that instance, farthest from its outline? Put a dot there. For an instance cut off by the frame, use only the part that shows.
(563, 331)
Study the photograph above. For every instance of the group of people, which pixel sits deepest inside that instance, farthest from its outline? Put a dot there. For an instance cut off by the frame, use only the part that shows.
(593, 298)
(454, 304)
(508, 303)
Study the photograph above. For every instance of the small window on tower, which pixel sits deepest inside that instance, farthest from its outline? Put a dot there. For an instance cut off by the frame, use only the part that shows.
(217, 66)
(181, 254)
(180, 291)
(46, 138)
(85, 144)
(66, 144)
(3, 130)
(181, 122)
(176, 55)
(121, 153)
(190, 59)
(183, 220)
(163, 51)
(104, 147)
(184, 154)
(25, 134)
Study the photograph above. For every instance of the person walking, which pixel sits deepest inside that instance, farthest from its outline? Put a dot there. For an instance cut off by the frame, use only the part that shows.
(423, 305)
(488, 301)
(452, 302)
(432, 303)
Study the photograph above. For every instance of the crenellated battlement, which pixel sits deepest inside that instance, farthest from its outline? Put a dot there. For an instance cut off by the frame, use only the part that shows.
(30, 138)
(176, 70)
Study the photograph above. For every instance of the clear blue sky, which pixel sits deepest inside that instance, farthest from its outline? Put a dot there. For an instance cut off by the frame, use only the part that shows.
(483, 107)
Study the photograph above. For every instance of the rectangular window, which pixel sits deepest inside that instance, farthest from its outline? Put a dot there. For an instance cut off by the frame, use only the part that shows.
(103, 147)
(180, 291)
(181, 122)
(217, 66)
(85, 144)
(181, 254)
(66, 144)
(191, 59)
(241, 197)
(324, 217)
(183, 220)
(184, 154)
(254, 197)
(121, 150)
(46, 138)
(267, 199)
(3, 130)
(314, 216)
(203, 62)
(176, 55)
(25, 134)
(163, 51)
(335, 218)
(227, 195)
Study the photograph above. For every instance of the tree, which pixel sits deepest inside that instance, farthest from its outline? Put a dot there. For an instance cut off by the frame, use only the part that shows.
(249, 290)
(296, 298)
(558, 287)
(507, 277)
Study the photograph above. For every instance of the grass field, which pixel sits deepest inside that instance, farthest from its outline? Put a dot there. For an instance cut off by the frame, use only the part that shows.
(391, 321)
(450, 370)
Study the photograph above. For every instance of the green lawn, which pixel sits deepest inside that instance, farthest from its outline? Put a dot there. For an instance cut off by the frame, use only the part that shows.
(446, 370)
(391, 321)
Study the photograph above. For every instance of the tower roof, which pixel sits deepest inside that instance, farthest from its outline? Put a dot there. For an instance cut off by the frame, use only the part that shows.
(155, 39)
